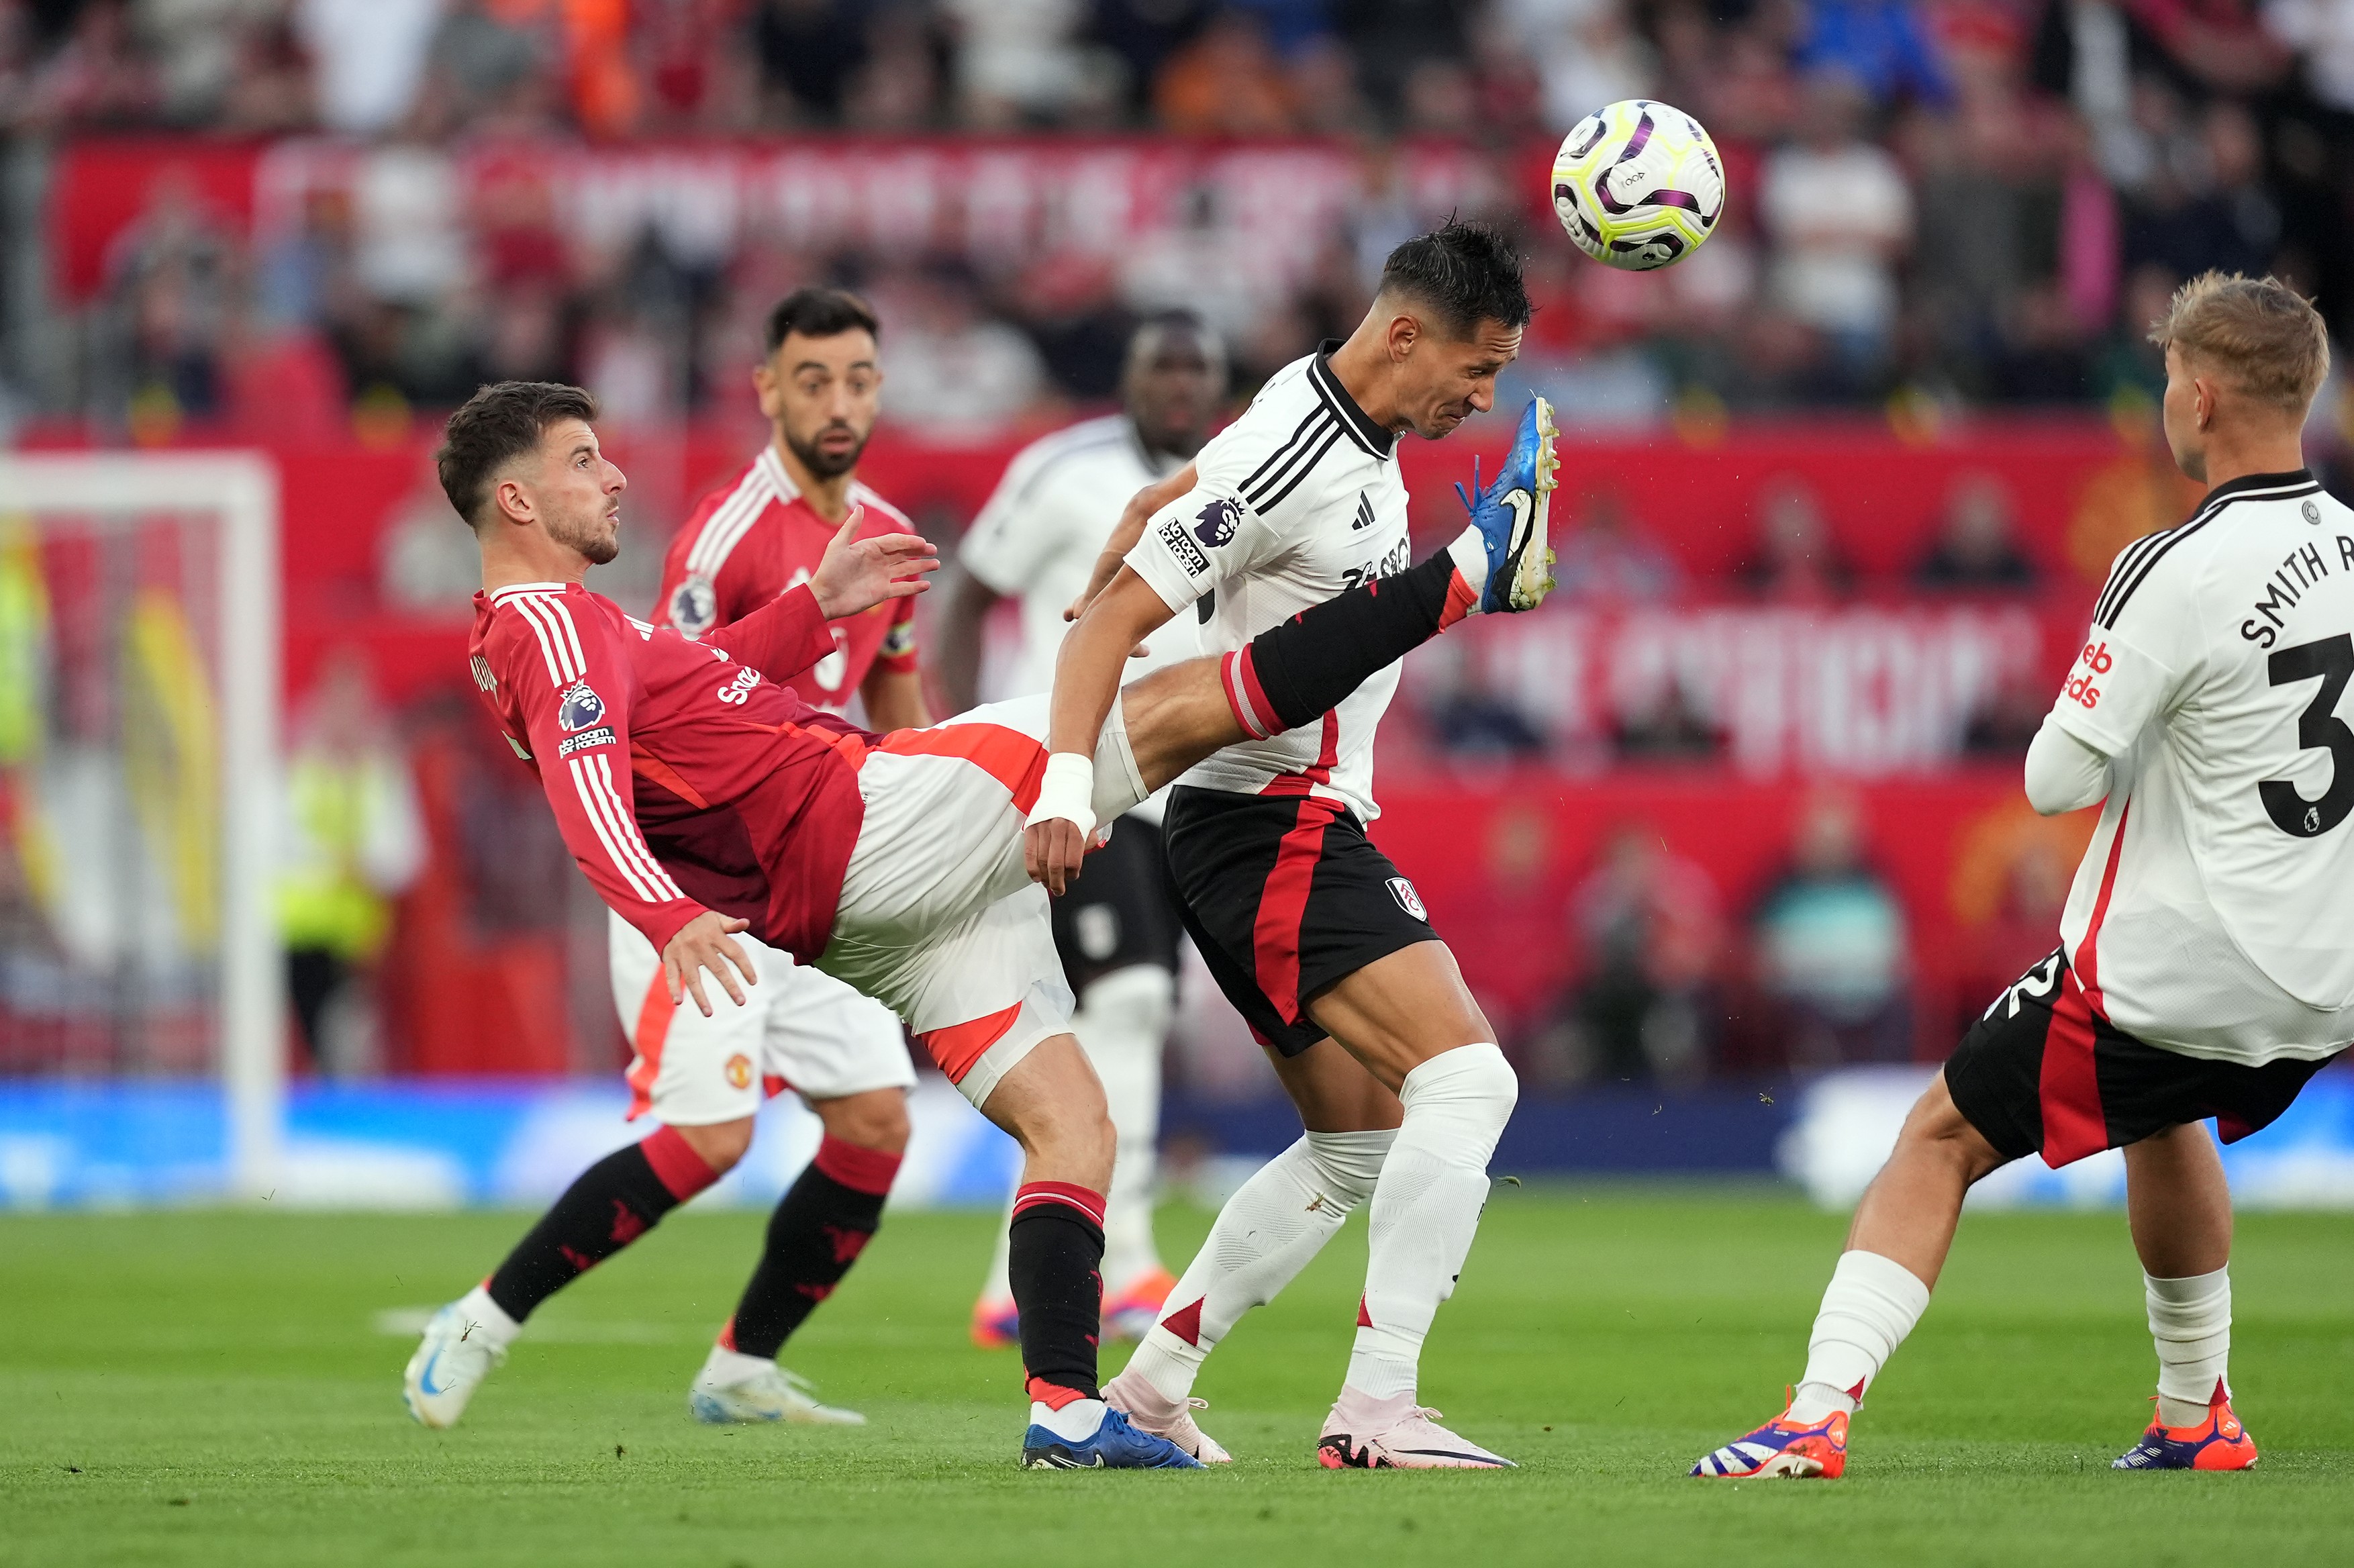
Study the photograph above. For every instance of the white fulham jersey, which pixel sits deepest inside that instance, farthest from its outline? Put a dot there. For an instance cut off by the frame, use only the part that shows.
(1299, 499)
(2213, 913)
(1038, 538)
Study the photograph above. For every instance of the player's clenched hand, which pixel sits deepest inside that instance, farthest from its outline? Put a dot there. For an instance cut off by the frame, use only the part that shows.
(856, 574)
(701, 944)
(1051, 852)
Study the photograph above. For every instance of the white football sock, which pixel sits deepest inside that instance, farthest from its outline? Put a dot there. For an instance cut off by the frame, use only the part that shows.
(1872, 1304)
(724, 1368)
(491, 1322)
(2191, 1319)
(1469, 550)
(1265, 1235)
(1122, 1020)
(1426, 1209)
(1075, 1423)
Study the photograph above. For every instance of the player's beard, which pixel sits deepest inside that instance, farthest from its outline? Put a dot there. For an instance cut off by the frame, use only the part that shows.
(599, 539)
(820, 463)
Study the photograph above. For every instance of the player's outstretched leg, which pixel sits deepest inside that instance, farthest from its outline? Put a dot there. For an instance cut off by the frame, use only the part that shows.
(1298, 670)
(819, 1229)
(607, 1206)
(2180, 1209)
(1895, 1247)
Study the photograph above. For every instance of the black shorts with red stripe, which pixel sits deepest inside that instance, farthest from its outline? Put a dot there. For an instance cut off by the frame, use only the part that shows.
(1285, 897)
(2045, 1071)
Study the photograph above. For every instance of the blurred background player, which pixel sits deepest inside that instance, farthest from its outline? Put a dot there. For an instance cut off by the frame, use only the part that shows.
(2203, 969)
(1116, 928)
(746, 543)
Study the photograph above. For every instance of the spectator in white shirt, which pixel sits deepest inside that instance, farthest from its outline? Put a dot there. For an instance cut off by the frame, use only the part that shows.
(1839, 215)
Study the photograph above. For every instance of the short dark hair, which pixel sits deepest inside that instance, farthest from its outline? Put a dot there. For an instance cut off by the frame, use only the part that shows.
(1466, 272)
(497, 424)
(820, 311)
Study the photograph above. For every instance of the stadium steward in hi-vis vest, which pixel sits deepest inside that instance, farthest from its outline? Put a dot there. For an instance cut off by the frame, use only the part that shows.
(2206, 961)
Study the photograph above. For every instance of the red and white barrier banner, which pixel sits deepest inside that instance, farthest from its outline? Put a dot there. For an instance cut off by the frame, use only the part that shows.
(1264, 207)
(1864, 690)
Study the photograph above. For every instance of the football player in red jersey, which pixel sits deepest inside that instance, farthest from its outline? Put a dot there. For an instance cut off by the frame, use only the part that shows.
(748, 543)
(702, 800)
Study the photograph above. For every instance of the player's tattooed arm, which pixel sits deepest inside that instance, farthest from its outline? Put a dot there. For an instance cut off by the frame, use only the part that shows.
(1139, 511)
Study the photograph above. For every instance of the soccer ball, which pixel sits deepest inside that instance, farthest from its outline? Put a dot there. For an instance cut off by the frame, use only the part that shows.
(1637, 185)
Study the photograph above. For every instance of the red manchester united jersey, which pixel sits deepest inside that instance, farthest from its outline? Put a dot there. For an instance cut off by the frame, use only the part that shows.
(756, 536)
(685, 777)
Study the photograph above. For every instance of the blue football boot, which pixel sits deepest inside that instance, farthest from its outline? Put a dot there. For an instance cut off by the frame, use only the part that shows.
(1114, 1446)
(1511, 515)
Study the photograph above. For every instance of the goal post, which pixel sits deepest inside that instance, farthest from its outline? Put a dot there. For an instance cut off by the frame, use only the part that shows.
(109, 491)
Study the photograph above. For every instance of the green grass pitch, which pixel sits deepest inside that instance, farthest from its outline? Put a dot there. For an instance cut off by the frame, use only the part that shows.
(208, 1387)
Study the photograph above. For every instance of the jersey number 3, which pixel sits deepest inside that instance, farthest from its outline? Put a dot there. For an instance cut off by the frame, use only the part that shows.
(2318, 728)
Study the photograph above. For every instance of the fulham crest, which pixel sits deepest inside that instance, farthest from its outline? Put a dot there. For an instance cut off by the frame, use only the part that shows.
(1408, 899)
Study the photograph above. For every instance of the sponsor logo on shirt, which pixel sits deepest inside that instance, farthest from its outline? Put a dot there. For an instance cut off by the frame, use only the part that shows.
(579, 707)
(693, 607)
(1407, 898)
(2094, 661)
(1181, 544)
(1217, 522)
(739, 690)
(601, 736)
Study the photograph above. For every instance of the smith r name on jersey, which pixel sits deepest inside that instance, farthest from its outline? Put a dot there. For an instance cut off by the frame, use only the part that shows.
(1298, 501)
(2218, 887)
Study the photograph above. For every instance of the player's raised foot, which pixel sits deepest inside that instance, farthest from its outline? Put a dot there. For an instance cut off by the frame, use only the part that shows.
(449, 1364)
(1151, 1411)
(1131, 1313)
(1111, 1444)
(2217, 1443)
(1798, 1449)
(996, 1324)
(1514, 517)
(726, 1395)
(1395, 1433)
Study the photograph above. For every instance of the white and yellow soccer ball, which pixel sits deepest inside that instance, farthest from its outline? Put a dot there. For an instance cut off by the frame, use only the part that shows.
(1639, 184)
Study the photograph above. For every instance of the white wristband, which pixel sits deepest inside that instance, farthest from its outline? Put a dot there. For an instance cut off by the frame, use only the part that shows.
(1068, 790)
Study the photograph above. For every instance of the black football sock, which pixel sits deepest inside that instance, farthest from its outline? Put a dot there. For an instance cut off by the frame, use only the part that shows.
(820, 1226)
(1056, 1265)
(1297, 671)
(607, 1206)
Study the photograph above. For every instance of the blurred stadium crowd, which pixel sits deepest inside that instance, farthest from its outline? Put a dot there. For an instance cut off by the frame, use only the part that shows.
(1952, 203)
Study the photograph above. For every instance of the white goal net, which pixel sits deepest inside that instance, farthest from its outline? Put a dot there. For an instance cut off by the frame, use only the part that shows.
(139, 699)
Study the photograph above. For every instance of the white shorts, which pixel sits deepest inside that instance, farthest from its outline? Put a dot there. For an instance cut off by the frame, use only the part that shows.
(797, 1029)
(937, 920)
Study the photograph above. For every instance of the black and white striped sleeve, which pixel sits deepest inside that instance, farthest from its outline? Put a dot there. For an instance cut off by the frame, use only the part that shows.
(1257, 480)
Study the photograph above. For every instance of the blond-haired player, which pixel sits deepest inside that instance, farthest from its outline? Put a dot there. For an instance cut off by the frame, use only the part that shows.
(2204, 967)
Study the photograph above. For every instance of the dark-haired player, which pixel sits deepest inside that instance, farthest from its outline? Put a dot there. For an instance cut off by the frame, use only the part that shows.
(749, 542)
(1312, 932)
(704, 798)
(1115, 927)
(2205, 967)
